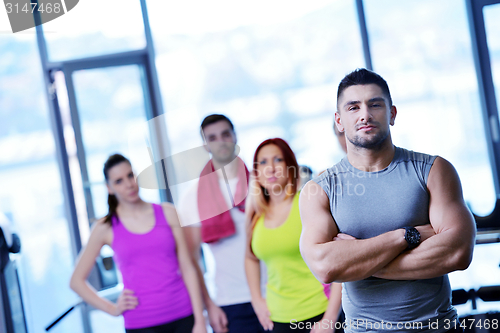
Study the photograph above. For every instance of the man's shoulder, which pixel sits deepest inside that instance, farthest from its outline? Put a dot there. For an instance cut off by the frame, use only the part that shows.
(414, 156)
(421, 163)
(329, 173)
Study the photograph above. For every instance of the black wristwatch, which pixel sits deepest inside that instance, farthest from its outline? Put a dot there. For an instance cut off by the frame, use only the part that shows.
(412, 237)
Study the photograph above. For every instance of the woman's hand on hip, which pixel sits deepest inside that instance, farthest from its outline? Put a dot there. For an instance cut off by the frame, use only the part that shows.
(126, 301)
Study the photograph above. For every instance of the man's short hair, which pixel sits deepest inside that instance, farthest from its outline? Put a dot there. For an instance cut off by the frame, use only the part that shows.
(363, 76)
(214, 118)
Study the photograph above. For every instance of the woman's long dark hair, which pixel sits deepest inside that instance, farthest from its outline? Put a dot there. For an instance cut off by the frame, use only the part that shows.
(112, 161)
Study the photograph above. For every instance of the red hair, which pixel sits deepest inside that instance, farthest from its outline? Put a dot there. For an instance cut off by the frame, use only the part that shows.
(259, 195)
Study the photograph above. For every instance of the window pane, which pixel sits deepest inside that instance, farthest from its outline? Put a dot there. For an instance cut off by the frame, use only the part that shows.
(422, 48)
(267, 65)
(112, 117)
(492, 25)
(30, 191)
(483, 271)
(95, 27)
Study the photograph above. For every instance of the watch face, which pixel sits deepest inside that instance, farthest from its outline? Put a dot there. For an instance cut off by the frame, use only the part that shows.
(412, 236)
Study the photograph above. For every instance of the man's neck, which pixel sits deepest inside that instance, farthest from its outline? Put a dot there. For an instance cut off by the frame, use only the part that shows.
(371, 160)
(231, 169)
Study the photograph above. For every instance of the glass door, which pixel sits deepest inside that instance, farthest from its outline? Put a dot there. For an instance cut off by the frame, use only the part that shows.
(109, 115)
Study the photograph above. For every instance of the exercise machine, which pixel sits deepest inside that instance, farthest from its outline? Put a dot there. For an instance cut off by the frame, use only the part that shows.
(12, 317)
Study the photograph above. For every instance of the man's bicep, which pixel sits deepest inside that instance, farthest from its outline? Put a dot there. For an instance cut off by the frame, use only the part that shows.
(447, 209)
(318, 225)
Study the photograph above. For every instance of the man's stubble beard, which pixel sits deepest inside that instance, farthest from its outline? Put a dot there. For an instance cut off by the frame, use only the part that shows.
(374, 143)
(225, 159)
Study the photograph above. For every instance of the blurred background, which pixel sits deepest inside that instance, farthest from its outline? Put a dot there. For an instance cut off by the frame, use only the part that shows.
(84, 86)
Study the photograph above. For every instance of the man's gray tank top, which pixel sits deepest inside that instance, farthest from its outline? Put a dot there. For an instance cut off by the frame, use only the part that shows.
(367, 204)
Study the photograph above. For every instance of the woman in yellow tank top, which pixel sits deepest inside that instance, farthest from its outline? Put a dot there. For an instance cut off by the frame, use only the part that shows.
(295, 299)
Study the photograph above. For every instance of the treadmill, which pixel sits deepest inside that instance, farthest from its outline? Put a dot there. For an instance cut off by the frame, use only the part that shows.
(12, 317)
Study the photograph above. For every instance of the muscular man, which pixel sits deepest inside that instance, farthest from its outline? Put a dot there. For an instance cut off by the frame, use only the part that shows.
(388, 222)
(217, 201)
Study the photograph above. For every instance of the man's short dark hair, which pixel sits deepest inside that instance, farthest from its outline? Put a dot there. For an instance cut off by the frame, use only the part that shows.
(363, 76)
(214, 118)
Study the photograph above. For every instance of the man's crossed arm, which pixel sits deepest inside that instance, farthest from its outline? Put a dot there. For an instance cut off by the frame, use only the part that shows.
(446, 244)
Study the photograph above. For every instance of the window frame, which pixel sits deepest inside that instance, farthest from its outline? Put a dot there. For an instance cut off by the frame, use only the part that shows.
(488, 102)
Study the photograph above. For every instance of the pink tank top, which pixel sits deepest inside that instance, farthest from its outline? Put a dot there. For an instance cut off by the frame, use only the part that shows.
(149, 266)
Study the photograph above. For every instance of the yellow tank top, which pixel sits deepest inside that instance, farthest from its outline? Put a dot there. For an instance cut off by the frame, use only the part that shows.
(292, 291)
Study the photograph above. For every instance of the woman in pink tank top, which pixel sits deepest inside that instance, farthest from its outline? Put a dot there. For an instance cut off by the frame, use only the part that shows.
(161, 289)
